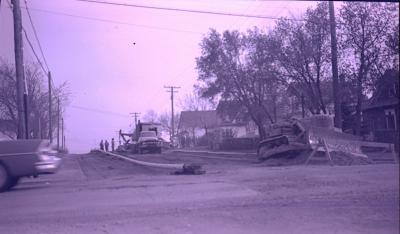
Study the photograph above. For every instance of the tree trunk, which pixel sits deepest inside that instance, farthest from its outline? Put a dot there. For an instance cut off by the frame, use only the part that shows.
(261, 129)
(360, 79)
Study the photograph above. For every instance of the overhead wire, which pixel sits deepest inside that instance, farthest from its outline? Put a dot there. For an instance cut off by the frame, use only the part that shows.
(99, 111)
(183, 10)
(29, 42)
(36, 36)
(112, 21)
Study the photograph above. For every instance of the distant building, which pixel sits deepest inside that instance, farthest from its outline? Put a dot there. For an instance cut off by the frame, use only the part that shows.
(197, 123)
(381, 113)
(234, 121)
(199, 127)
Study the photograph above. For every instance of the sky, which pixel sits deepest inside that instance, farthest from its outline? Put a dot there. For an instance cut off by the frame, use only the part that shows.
(91, 47)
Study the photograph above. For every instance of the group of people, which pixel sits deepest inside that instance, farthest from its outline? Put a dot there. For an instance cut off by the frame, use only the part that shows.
(104, 145)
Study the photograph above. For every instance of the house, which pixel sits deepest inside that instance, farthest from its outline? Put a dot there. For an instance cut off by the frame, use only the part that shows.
(381, 112)
(234, 120)
(199, 127)
(195, 124)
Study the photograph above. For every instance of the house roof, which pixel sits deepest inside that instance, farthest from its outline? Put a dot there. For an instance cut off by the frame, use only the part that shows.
(386, 93)
(383, 103)
(232, 110)
(199, 119)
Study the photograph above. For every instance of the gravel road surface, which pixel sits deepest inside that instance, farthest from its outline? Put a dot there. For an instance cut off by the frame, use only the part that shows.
(96, 193)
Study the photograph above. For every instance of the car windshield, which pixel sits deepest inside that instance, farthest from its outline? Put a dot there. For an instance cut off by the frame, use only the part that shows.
(148, 134)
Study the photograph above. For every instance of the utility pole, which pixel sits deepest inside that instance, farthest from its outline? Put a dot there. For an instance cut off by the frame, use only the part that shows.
(62, 133)
(136, 115)
(65, 146)
(50, 109)
(58, 123)
(303, 114)
(19, 71)
(336, 85)
(172, 91)
(40, 129)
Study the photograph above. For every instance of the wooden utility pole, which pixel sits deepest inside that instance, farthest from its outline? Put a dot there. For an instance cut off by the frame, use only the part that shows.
(303, 113)
(50, 110)
(19, 70)
(62, 133)
(336, 85)
(172, 91)
(136, 116)
(58, 123)
(40, 128)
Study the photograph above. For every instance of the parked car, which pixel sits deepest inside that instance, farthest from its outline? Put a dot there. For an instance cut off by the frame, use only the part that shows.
(21, 158)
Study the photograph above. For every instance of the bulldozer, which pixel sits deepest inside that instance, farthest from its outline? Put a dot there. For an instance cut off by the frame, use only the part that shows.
(299, 135)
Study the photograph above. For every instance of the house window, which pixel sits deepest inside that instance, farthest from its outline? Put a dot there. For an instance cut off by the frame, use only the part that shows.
(390, 117)
(228, 133)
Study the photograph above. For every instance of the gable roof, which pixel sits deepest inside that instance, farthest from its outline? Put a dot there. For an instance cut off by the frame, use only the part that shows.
(199, 119)
(386, 93)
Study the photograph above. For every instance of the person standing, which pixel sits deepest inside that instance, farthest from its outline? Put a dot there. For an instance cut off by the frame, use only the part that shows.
(106, 145)
(112, 144)
(101, 145)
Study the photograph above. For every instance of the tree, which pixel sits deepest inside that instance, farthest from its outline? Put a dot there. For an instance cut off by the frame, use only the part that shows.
(363, 27)
(165, 120)
(37, 101)
(230, 65)
(303, 56)
(150, 116)
(194, 102)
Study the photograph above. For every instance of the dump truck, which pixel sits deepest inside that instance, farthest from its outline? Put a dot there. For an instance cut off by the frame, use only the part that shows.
(297, 135)
(146, 137)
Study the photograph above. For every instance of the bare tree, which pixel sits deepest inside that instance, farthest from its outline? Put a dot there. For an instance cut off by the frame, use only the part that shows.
(303, 56)
(165, 120)
(150, 116)
(363, 27)
(37, 101)
(194, 102)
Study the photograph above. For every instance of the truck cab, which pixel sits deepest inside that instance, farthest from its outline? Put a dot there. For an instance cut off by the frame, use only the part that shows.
(149, 141)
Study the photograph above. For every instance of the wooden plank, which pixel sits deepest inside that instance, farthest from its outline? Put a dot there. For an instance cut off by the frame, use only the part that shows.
(327, 152)
(311, 155)
(395, 156)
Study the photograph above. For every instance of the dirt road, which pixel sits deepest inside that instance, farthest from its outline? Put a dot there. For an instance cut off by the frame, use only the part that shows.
(99, 194)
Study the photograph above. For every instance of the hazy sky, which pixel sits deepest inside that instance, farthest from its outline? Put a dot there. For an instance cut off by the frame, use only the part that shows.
(103, 68)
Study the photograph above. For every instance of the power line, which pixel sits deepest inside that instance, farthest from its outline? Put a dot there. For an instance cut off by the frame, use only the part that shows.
(112, 21)
(184, 10)
(36, 36)
(33, 50)
(30, 43)
(99, 111)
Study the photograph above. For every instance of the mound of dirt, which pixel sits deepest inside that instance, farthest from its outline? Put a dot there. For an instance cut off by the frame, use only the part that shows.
(300, 158)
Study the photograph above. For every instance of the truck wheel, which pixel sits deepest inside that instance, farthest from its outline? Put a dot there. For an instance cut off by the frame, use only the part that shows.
(4, 178)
